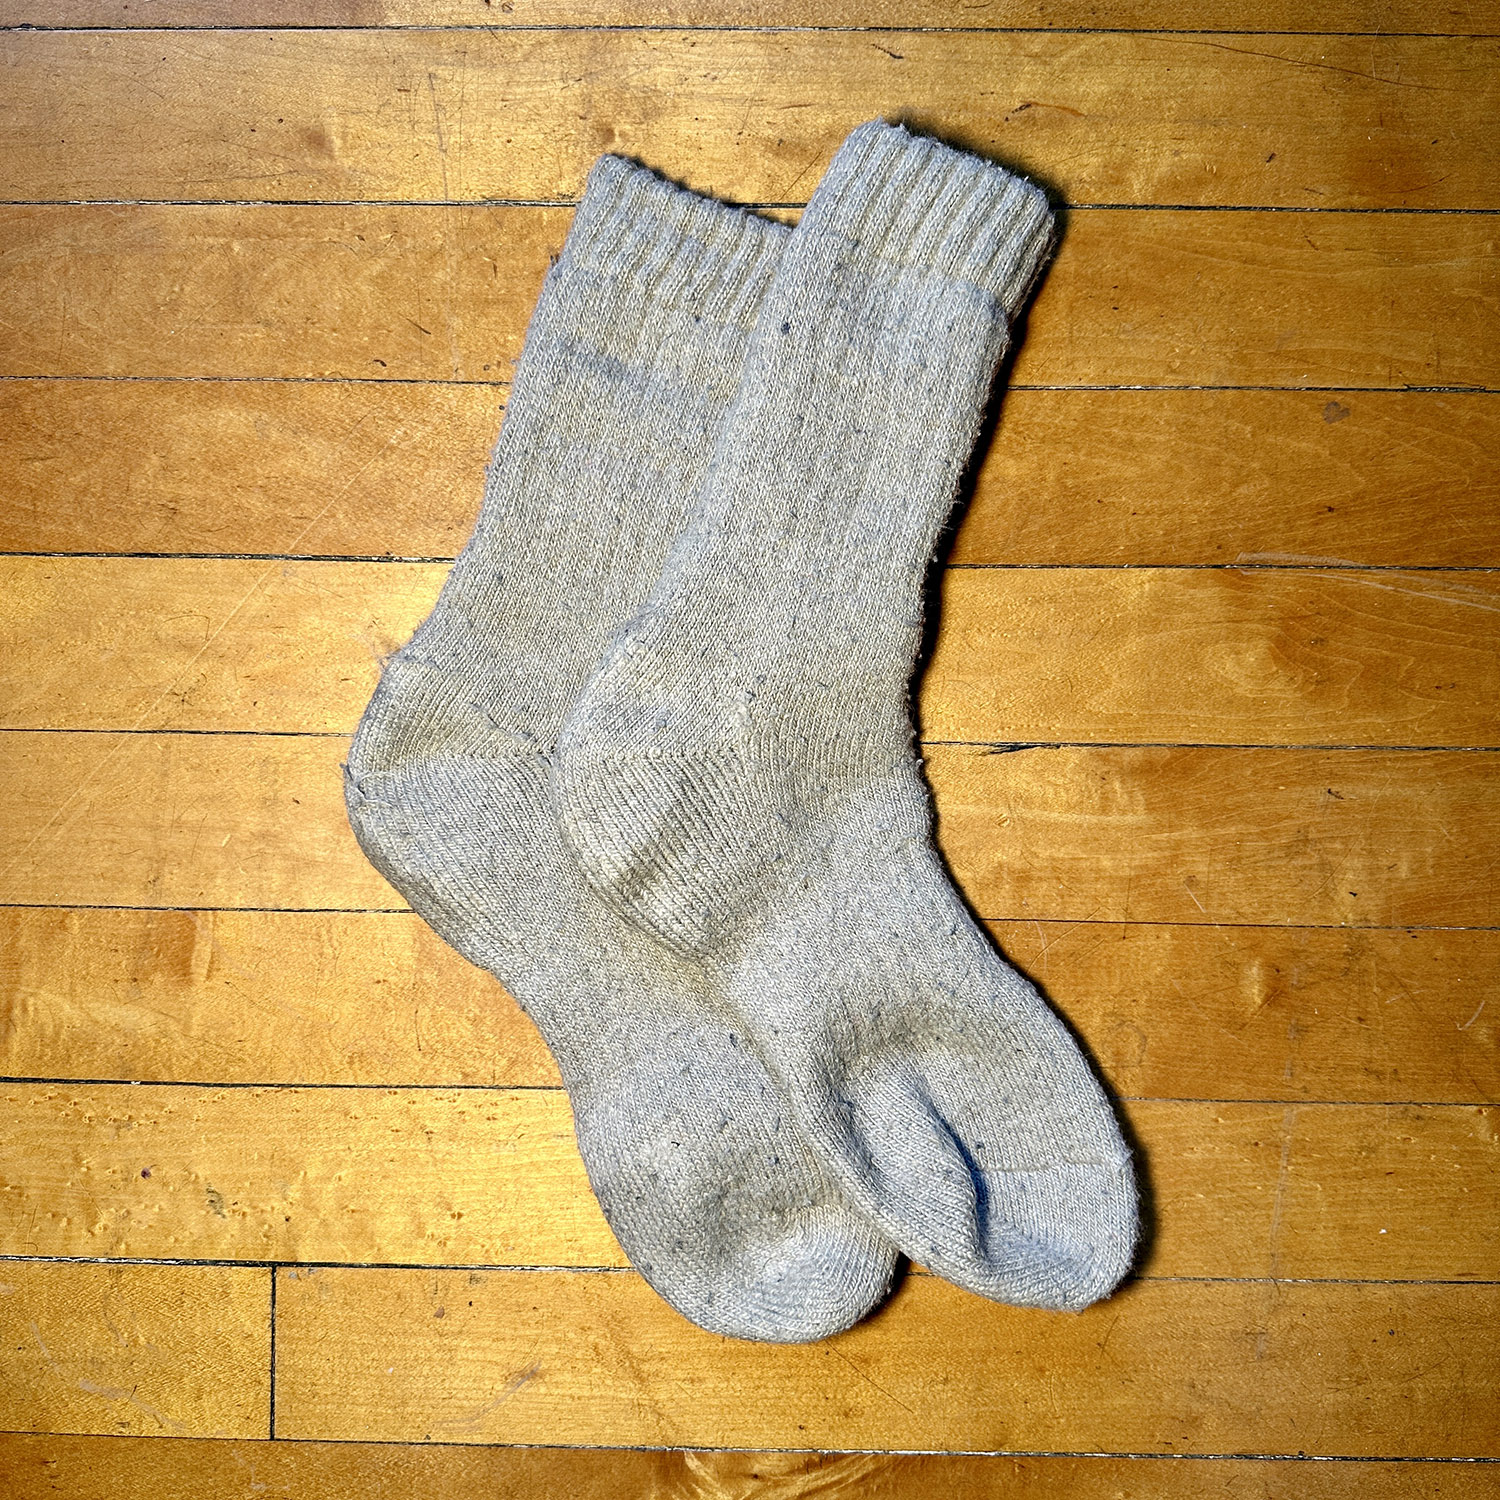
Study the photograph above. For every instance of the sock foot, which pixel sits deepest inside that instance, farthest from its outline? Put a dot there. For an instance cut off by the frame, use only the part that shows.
(738, 777)
(690, 1145)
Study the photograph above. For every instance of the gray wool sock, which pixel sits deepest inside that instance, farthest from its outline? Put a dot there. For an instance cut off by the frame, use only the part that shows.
(631, 359)
(739, 777)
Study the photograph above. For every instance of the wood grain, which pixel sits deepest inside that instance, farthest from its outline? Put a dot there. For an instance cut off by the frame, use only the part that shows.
(1145, 656)
(1351, 838)
(1287, 837)
(91, 1468)
(1143, 298)
(1326, 122)
(491, 1177)
(182, 821)
(1075, 476)
(265, 645)
(1220, 656)
(262, 997)
(1223, 656)
(1454, 17)
(350, 293)
(376, 998)
(1179, 1367)
(1098, 477)
(364, 468)
(1274, 1013)
(477, 1176)
(159, 1351)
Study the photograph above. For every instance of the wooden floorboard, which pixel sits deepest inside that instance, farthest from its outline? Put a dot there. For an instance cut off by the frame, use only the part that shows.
(1189, 835)
(472, 115)
(1072, 477)
(376, 999)
(1213, 1012)
(160, 1351)
(93, 1468)
(516, 1353)
(293, 997)
(1409, 17)
(1268, 656)
(1376, 838)
(491, 1177)
(1155, 297)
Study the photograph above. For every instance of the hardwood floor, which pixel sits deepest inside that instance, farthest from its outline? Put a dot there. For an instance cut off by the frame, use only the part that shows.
(289, 1203)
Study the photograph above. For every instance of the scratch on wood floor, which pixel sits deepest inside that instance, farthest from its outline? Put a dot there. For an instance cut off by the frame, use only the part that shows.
(812, 161)
(438, 133)
(471, 1422)
(1295, 559)
(1042, 936)
(1306, 62)
(1278, 1202)
(115, 1393)
(875, 1384)
(109, 1392)
(1445, 591)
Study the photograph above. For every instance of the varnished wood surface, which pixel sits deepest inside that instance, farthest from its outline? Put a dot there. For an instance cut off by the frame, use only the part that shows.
(1213, 1012)
(1401, 17)
(383, 292)
(371, 469)
(1376, 838)
(164, 1351)
(1227, 573)
(90, 1468)
(1190, 835)
(935, 1369)
(754, 116)
(374, 998)
(1147, 656)
(280, 997)
(490, 1177)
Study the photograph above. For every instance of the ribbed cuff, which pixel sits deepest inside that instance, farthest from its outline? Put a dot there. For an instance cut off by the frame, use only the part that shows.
(919, 203)
(672, 246)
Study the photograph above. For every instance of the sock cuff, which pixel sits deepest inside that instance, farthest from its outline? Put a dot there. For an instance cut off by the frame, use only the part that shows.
(671, 245)
(916, 202)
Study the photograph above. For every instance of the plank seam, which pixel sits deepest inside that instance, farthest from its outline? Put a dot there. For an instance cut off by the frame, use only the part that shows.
(271, 1418)
(1311, 1458)
(231, 734)
(519, 1270)
(504, 384)
(992, 747)
(557, 1088)
(1038, 31)
(406, 911)
(1006, 747)
(753, 205)
(1313, 566)
(1373, 390)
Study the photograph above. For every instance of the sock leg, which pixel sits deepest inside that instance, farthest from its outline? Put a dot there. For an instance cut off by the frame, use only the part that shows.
(630, 360)
(739, 776)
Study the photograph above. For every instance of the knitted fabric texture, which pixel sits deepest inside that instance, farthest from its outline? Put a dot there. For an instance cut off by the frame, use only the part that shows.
(629, 365)
(739, 778)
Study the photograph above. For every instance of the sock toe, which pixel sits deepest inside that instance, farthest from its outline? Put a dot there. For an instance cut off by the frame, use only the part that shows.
(817, 1278)
(995, 1195)
(1061, 1237)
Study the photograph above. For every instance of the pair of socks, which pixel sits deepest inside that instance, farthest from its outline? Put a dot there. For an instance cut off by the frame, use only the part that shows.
(650, 759)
